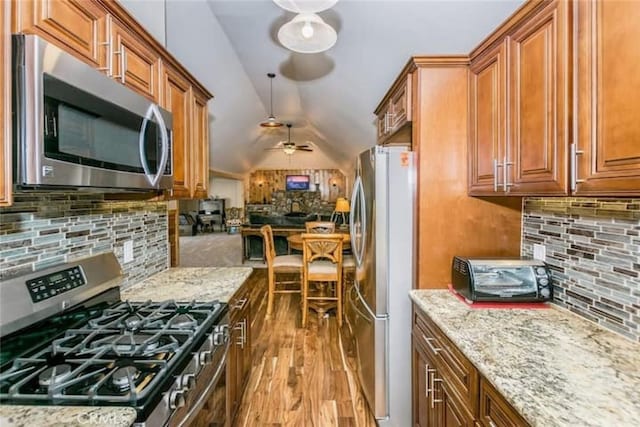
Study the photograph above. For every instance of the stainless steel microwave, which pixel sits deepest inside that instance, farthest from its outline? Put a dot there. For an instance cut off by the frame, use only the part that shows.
(506, 279)
(75, 127)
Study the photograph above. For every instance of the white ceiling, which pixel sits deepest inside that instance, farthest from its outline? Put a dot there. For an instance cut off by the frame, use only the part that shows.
(230, 46)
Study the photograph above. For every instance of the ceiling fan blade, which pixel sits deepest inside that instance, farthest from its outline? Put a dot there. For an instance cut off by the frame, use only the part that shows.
(304, 149)
(302, 146)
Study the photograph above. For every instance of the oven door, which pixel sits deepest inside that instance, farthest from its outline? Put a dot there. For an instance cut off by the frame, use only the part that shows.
(206, 403)
(76, 127)
(498, 282)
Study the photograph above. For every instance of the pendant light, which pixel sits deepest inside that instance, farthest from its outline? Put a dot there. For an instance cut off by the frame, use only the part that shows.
(307, 33)
(271, 121)
(305, 6)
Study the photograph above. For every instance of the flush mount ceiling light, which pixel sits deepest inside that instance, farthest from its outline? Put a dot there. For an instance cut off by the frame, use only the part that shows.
(305, 6)
(307, 33)
(271, 121)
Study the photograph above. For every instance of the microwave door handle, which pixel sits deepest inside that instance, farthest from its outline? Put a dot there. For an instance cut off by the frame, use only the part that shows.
(151, 112)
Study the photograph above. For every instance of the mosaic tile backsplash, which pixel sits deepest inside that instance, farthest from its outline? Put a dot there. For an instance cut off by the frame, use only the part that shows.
(593, 250)
(45, 229)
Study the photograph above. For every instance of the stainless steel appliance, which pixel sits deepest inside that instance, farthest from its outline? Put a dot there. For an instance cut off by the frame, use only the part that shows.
(377, 307)
(67, 339)
(511, 279)
(76, 127)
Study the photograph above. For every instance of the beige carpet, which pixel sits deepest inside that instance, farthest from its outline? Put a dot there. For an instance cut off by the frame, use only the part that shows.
(212, 250)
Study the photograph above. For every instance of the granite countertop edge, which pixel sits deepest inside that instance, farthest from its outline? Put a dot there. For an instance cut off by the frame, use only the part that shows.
(69, 416)
(598, 346)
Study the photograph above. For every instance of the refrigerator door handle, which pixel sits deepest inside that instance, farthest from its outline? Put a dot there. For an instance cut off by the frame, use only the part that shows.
(358, 196)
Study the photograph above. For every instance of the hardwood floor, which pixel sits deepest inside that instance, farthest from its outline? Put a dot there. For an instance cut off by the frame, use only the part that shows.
(299, 376)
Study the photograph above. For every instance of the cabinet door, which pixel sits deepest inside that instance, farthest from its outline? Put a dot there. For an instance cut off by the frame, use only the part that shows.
(401, 105)
(420, 388)
(454, 413)
(177, 99)
(133, 63)
(5, 106)
(488, 108)
(539, 99)
(383, 123)
(75, 25)
(200, 147)
(608, 107)
(495, 411)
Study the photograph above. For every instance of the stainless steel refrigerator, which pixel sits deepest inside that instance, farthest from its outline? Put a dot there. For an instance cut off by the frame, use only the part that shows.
(377, 306)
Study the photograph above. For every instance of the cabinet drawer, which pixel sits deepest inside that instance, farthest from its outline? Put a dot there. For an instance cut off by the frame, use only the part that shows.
(461, 375)
(495, 411)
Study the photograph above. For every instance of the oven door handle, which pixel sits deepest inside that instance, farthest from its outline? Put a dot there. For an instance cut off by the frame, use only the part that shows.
(205, 394)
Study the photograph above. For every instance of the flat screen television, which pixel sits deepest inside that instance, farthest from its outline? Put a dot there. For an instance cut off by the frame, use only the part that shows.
(297, 182)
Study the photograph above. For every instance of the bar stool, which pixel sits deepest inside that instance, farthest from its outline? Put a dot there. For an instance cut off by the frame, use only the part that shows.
(290, 264)
(322, 262)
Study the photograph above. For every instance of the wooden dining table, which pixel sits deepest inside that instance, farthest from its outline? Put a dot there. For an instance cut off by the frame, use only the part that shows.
(295, 241)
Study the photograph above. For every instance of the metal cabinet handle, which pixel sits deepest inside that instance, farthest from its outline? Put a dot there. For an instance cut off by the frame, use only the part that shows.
(427, 390)
(431, 347)
(109, 47)
(492, 424)
(241, 303)
(433, 390)
(506, 184)
(123, 63)
(242, 326)
(574, 166)
(495, 174)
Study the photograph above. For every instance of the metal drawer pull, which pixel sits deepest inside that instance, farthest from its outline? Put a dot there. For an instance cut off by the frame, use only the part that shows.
(433, 380)
(431, 347)
(506, 184)
(492, 424)
(241, 303)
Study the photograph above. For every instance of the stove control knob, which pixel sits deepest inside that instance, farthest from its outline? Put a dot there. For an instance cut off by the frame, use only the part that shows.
(176, 399)
(188, 381)
(205, 357)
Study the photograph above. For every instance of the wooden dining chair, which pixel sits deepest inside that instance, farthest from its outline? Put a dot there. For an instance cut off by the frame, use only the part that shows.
(279, 264)
(320, 227)
(322, 262)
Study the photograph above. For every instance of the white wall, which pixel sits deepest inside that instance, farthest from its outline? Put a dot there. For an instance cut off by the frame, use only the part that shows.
(230, 189)
(150, 13)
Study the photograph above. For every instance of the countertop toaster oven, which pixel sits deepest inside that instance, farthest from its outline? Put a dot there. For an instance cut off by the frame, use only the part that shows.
(501, 279)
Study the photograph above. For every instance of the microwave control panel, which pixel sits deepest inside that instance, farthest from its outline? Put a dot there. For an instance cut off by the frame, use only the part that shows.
(54, 284)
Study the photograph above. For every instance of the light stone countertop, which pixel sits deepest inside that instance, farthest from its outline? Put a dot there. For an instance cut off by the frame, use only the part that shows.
(554, 367)
(67, 416)
(189, 283)
(181, 284)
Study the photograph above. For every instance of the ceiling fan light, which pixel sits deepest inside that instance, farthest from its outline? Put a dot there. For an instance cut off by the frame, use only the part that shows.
(292, 35)
(289, 149)
(305, 6)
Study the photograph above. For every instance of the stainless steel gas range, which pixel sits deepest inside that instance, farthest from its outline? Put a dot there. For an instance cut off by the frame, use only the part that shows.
(68, 339)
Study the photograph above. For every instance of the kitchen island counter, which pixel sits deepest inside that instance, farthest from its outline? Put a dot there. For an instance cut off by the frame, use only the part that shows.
(553, 367)
(189, 283)
(68, 416)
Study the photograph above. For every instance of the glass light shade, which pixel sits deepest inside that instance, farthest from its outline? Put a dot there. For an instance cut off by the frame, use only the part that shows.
(289, 149)
(271, 123)
(342, 205)
(318, 36)
(305, 6)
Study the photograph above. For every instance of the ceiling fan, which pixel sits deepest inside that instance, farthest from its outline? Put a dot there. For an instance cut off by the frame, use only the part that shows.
(289, 147)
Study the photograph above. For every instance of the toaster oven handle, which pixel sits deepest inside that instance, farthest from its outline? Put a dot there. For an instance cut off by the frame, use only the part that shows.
(154, 112)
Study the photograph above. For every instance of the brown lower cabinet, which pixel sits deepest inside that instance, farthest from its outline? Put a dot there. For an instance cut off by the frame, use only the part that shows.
(239, 359)
(447, 389)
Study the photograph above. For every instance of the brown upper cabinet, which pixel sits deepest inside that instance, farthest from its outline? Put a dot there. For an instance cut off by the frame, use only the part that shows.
(132, 62)
(200, 144)
(177, 100)
(394, 114)
(76, 26)
(104, 35)
(607, 140)
(519, 106)
(5, 106)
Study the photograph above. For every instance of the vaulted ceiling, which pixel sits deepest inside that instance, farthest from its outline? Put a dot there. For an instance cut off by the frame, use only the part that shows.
(230, 45)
